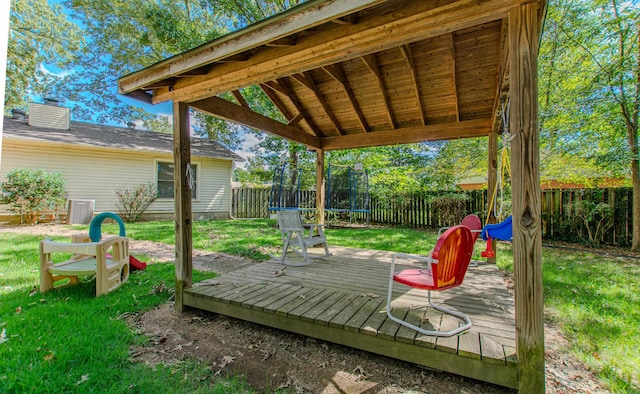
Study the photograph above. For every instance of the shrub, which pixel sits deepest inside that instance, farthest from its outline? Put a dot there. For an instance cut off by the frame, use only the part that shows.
(132, 202)
(592, 220)
(29, 192)
(449, 208)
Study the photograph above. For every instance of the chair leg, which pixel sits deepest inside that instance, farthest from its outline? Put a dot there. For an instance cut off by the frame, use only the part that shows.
(457, 314)
(303, 252)
(326, 250)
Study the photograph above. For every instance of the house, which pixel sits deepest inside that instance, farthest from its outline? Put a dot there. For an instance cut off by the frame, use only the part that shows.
(96, 160)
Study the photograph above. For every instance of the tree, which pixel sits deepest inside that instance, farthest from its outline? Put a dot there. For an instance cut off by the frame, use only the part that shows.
(39, 34)
(590, 87)
(129, 35)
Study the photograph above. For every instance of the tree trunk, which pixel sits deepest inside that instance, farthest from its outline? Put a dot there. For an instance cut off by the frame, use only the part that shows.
(635, 181)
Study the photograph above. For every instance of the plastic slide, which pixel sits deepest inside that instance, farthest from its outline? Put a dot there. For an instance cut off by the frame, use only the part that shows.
(135, 264)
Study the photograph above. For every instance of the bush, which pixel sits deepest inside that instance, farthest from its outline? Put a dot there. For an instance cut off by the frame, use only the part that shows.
(132, 202)
(592, 220)
(449, 208)
(29, 192)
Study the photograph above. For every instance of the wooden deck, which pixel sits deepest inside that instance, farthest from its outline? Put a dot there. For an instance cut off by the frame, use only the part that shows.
(342, 299)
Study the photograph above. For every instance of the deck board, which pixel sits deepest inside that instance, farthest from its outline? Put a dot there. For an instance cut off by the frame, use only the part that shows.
(342, 299)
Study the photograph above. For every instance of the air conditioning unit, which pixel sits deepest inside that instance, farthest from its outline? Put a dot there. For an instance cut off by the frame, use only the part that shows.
(80, 211)
(50, 116)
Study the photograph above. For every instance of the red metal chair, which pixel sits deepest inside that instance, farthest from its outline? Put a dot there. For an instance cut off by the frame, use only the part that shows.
(472, 221)
(446, 269)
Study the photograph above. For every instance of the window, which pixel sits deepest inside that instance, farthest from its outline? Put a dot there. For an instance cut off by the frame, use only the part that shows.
(165, 180)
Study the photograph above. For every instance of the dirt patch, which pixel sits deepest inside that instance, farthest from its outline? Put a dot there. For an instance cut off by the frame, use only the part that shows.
(272, 359)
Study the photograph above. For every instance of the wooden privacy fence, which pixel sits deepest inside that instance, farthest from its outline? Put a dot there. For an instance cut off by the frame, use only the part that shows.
(560, 220)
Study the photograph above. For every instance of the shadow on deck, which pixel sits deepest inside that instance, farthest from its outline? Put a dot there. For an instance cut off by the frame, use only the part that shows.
(342, 299)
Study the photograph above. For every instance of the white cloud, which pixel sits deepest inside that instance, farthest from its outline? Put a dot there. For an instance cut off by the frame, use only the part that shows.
(57, 74)
(250, 140)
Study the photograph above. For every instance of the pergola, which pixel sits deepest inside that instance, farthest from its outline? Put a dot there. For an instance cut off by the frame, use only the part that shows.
(363, 73)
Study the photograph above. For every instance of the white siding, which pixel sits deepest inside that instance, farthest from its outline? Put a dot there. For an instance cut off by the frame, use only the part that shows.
(94, 174)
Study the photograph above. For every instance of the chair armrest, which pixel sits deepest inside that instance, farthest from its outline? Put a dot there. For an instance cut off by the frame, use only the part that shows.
(311, 227)
(442, 230)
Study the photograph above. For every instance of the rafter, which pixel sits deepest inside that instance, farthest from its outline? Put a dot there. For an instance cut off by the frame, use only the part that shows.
(295, 120)
(408, 56)
(281, 87)
(283, 42)
(503, 79)
(346, 20)
(284, 85)
(452, 51)
(306, 80)
(335, 45)
(234, 113)
(161, 84)
(409, 135)
(336, 73)
(275, 99)
(240, 98)
(240, 57)
(371, 62)
(195, 71)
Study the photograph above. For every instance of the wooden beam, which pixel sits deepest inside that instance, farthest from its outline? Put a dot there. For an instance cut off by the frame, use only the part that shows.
(306, 80)
(282, 42)
(452, 52)
(165, 83)
(240, 57)
(320, 192)
(240, 98)
(502, 84)
(182, 200)
(409, 135)
(304, 16)
(276, 86)
(408, 56)
(275, 99)
(371, 62)
(141, 95)
(232, 112)
(295, 120)
(284, 86)
(415, 21)
(524, 31)
(336, 73)
(346, 20)
(195, 71)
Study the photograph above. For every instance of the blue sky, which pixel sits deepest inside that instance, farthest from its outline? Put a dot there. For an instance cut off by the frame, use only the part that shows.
(162, 109)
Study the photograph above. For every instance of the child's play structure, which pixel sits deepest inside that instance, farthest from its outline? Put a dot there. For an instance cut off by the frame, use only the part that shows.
(107, 259)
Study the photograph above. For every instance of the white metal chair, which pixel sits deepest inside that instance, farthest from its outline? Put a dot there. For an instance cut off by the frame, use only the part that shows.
(299, 237)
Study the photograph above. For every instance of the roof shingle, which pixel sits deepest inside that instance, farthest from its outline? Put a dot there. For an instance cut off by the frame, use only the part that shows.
(95, 135)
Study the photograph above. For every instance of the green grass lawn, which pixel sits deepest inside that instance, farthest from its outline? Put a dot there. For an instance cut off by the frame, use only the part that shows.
(593, 300)
(70, 341)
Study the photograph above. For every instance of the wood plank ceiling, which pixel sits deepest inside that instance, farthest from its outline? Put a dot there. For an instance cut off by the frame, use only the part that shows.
(365, 73)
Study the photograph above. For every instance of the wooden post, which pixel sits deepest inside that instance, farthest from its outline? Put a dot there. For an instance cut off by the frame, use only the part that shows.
(492, 181)
(524, 31)
(182, 197)
(320, 193)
